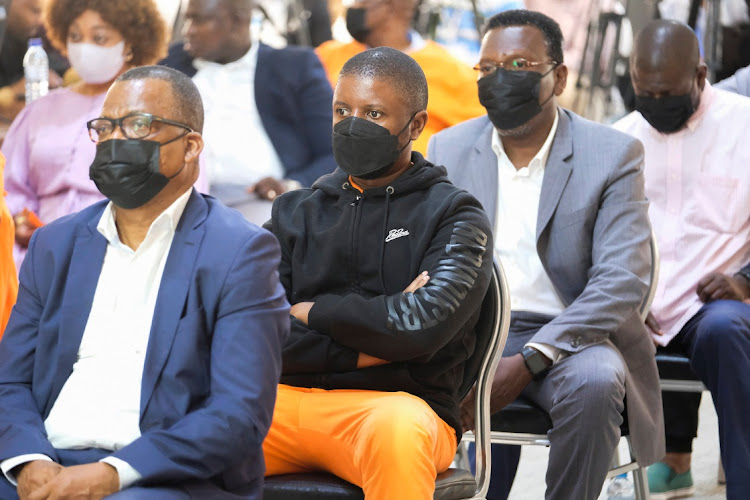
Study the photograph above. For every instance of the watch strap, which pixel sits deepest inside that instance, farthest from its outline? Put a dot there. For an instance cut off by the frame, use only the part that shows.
(535, 361)
(745, 273)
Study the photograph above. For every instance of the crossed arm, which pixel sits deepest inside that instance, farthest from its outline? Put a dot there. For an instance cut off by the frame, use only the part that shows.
(301, 310)
(339, 333)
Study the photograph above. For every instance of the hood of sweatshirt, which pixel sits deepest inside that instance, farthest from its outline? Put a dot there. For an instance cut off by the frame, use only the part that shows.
(419, 177)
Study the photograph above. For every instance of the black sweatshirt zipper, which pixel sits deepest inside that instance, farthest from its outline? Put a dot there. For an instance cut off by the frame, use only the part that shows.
(353, 247)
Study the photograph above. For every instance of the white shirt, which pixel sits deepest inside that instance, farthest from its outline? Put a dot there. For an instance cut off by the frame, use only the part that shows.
(519, 191)
(416, 42)
(237, 147)
(99, 405)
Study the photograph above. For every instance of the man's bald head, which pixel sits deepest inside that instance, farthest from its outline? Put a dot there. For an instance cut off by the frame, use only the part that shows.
(668, 76)
(666, 46)
(666, 61)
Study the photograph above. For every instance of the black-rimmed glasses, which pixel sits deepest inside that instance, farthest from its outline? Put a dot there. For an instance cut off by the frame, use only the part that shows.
(133, 126)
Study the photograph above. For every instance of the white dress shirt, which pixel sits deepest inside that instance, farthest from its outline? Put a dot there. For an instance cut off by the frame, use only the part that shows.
(237, 147)
(99, 405)
(416, 42)
(518, 196)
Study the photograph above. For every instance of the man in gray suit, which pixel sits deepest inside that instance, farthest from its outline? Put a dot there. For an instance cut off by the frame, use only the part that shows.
(566, 198)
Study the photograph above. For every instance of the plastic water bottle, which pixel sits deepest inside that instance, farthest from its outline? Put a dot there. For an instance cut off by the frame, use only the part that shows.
(621, 487)
(36, 70)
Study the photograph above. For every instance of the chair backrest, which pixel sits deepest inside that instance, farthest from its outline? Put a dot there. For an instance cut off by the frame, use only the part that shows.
(485, 334)
(653, 278)
(492, 333)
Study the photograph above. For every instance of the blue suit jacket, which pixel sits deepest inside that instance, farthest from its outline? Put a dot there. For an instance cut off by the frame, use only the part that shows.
(294, 99)
(213, 359)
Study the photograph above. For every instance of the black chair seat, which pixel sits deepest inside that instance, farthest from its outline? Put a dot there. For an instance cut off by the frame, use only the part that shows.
(451, 484)
(521, 417)
(524, 417)
(674, 367)
(311, 486)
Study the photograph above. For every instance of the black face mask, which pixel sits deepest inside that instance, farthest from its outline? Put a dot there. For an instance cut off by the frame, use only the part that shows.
(127, 171)
(511, 97)
(355, 23)
(365, 149)
(666, 114)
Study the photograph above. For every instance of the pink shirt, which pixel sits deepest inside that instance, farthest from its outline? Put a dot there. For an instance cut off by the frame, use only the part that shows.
(698, 183)
(48, 153)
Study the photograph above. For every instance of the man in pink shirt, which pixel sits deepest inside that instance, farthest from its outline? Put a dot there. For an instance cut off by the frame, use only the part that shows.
(698, 183)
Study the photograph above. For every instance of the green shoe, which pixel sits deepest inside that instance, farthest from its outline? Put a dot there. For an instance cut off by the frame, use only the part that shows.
(664, 483)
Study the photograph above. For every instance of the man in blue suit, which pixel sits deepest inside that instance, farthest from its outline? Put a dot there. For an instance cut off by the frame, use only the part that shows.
(268, 111)
(143, 354)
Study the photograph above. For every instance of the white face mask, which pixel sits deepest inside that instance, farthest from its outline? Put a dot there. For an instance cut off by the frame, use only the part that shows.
(96, 64)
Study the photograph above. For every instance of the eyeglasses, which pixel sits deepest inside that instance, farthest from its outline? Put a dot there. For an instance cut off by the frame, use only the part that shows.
(133, 126)
(519, 64)
(370, 3)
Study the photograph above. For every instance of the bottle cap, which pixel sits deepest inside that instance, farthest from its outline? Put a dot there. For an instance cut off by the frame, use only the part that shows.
(35, 42)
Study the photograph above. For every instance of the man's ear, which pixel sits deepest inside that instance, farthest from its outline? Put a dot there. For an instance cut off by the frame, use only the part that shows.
(418, 124)
(127, 53)
(700, 74)
(194, 146)
(561, 78)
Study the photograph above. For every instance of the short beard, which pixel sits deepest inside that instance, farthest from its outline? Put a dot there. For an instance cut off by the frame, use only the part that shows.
(519, 131)
(524, 129)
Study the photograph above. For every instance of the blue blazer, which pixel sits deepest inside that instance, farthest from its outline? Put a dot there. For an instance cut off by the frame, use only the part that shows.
(294, 100)
(213, 359)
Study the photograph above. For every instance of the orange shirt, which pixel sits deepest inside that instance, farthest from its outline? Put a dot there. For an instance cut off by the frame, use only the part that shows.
(8, 278)
(452, 85)
(355, 185)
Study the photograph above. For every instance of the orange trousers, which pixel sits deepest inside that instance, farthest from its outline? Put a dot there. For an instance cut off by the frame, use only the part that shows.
(391, 444)
(8, 273)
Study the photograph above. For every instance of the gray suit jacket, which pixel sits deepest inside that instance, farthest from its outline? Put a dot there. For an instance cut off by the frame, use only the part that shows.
(592, 239)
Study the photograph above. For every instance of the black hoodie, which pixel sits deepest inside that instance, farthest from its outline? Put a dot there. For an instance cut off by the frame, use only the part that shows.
(354, 253)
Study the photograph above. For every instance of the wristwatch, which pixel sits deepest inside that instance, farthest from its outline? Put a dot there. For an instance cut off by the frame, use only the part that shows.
(535, 361)
(745, 273)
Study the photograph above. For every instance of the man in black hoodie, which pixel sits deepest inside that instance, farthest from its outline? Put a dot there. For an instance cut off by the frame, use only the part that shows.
(386, 264)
